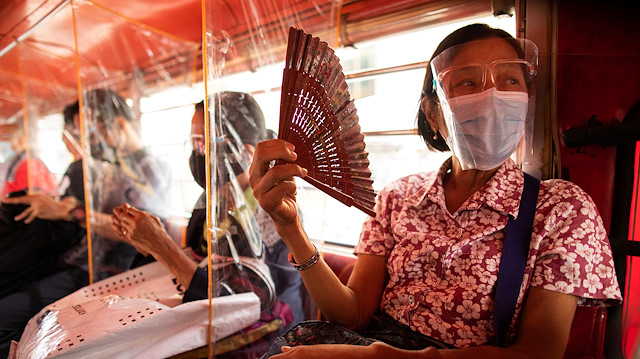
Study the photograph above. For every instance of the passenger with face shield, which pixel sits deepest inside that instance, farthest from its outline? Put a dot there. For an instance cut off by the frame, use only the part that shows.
(243, 237)
(33, 272)
(120, 172)
(428, 264)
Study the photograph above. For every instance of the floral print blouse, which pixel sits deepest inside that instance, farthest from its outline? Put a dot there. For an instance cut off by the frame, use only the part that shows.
(442, 267)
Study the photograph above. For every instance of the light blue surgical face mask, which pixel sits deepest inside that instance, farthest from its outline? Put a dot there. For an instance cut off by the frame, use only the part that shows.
(485, 128)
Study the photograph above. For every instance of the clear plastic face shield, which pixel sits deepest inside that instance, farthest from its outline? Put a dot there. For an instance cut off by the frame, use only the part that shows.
(71, 139)
(98, 147)
(229, 150)
(486, 91)
(231, 181)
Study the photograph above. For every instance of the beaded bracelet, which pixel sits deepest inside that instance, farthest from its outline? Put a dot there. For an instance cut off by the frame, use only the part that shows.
(306, 264)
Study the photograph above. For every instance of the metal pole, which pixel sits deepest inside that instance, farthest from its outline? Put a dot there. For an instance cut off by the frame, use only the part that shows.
(28, 33)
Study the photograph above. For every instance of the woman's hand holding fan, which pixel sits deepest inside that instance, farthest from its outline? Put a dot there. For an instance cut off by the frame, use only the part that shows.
(318, 117)
(274, 187)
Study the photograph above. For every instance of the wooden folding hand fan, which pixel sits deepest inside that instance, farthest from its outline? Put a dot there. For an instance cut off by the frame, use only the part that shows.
(318, 116)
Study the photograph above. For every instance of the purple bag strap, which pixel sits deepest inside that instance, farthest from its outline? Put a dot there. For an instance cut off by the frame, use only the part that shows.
(514, 259)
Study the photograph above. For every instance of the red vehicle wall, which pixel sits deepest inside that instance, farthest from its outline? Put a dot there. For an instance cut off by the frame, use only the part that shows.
(598, 77)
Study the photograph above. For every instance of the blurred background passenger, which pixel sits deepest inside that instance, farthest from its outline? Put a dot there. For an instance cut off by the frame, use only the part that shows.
(120, 171)
(131, 176)
(37, 232)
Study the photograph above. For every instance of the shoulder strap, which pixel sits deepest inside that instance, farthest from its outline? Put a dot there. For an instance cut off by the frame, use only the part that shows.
(514, 259)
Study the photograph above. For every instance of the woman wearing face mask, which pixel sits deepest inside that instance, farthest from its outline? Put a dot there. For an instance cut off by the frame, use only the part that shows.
(428, 263)
(242, 229)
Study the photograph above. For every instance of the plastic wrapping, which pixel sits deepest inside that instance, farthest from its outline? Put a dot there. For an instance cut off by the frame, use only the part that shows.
(29, 120)
(60, 64)
(113, 68)
(237, 120)
(119, 168)
(129, 73)
(113, 65)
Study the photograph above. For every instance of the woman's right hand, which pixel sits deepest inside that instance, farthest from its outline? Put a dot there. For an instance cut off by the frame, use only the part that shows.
(274, 186)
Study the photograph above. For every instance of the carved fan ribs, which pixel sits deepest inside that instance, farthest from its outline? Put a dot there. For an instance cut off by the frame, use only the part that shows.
(318, 116)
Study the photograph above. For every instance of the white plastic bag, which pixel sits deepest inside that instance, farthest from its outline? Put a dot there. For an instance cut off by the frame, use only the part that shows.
(117, 327)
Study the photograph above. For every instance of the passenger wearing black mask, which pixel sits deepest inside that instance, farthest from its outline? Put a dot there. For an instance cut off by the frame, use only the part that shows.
(242, 228)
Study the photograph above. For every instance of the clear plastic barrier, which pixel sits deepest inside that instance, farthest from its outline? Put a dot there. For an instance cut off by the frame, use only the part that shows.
(121, 105)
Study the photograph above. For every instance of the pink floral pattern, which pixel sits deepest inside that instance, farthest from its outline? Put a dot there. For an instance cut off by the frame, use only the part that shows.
(443, 267)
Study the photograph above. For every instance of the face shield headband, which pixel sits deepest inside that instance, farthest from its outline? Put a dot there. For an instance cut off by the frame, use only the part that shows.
(488, 108)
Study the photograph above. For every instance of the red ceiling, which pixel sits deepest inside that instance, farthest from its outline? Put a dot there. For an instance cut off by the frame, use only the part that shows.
(161, 36)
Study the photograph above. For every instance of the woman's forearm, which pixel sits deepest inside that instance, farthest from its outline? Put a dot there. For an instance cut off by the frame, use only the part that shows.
(175, 259)
(335, 300)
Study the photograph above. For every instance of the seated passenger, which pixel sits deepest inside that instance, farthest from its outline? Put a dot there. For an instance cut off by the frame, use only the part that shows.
(428, 261)
(31, 249)
(242, 226)
(34, 272)
(137, 178)
(121, 171)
